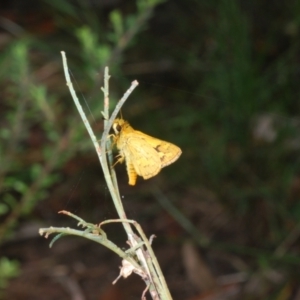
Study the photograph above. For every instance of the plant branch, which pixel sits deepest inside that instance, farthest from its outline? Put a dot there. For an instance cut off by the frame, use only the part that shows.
(151, 272)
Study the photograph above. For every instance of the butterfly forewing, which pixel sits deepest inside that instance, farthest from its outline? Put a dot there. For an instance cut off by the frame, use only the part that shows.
(168, 152)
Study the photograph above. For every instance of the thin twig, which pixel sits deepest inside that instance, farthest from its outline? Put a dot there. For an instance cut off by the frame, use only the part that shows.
(91, 236)
(154, 278)
(79, 107)
(134, 84)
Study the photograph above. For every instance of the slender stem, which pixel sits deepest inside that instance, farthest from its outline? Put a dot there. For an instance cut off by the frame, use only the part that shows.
(113, 188)
(91, 236)
(79, 107)
(157, 285)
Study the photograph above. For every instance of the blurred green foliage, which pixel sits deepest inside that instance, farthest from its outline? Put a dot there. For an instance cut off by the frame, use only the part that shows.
(8, 269)
(35, 141)
(219, 78)
(32, 108)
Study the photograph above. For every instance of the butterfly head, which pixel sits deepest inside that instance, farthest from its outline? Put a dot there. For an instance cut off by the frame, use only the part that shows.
(117, 125)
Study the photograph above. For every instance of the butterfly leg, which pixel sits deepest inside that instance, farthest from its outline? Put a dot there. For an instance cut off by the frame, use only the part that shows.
(120, 159)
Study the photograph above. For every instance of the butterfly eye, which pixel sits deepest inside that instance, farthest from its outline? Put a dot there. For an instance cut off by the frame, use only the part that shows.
(117, 128)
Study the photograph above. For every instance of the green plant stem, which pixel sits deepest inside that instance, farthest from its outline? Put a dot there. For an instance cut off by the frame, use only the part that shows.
(91, 236)
(158, 288)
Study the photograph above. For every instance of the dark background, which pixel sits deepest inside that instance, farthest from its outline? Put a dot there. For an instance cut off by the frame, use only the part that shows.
(218, 78)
